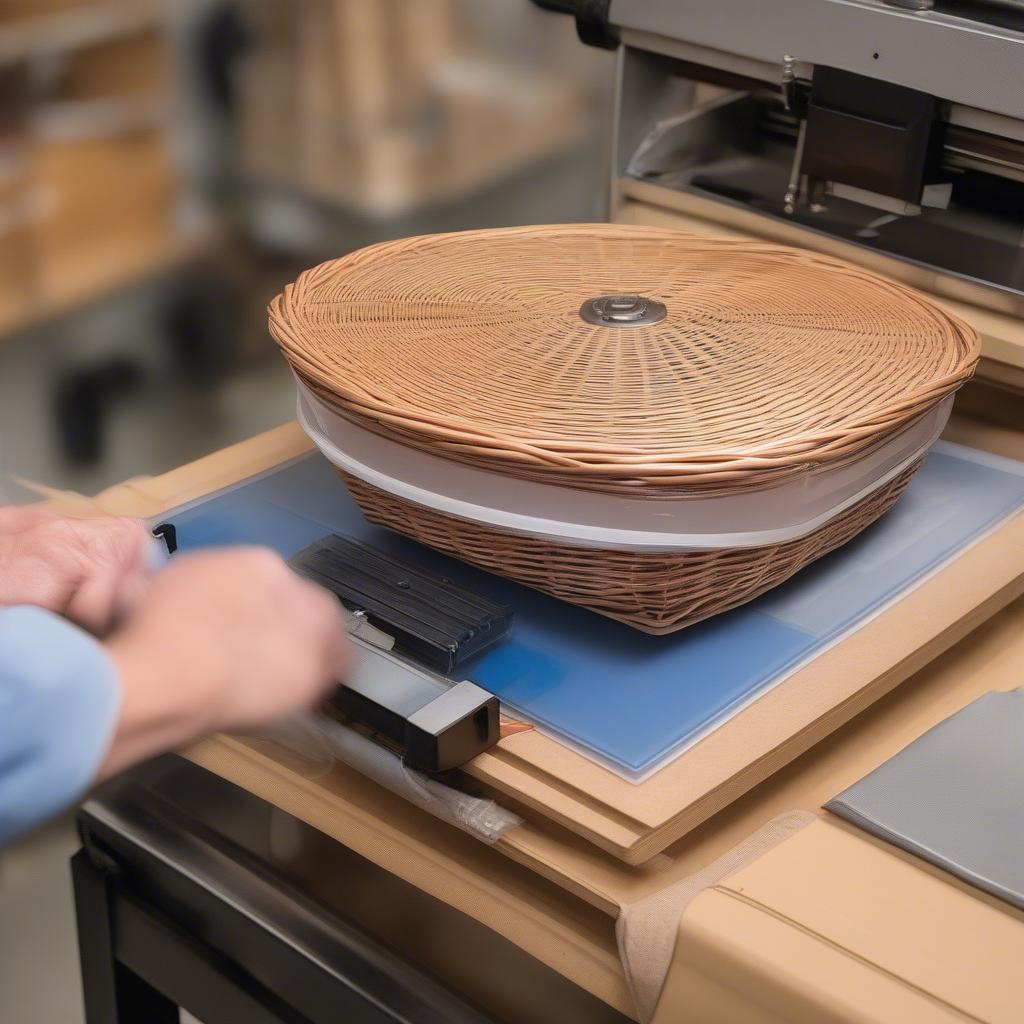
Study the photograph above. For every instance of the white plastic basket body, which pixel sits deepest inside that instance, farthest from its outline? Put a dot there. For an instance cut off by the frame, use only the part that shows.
(580, 518)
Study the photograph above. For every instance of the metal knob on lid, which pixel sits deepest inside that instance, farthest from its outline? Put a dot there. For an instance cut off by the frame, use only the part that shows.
(623, 311)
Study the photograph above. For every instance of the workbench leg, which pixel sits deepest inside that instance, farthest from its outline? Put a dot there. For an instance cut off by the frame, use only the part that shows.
(112, 993)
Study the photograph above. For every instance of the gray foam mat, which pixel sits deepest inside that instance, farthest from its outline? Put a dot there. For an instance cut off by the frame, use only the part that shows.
(955, 796)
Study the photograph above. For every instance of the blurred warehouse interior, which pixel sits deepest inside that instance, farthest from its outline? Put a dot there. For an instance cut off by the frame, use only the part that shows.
(167, 165)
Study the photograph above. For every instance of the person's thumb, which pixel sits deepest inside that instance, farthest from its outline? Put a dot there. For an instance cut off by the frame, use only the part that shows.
(95, 602)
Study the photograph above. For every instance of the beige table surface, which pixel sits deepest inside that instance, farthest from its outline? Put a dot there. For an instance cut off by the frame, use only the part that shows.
(832, 925)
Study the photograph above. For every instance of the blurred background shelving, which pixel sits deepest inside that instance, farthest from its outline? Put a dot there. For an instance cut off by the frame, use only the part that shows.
(87, 184)
(167, 165)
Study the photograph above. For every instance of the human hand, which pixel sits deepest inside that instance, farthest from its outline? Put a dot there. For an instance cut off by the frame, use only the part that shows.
(223, 640)
(92, 571)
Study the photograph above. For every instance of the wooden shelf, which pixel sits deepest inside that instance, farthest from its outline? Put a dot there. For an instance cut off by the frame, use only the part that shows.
(43, 34)
(107, 272)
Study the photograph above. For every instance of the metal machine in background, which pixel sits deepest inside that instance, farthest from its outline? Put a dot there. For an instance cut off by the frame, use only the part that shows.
(887, 132)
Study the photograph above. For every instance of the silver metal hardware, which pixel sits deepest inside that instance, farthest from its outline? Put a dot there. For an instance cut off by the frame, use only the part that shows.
(623, 311)
(792, 196)
(788, 78)
(358, 625)
(911, 5)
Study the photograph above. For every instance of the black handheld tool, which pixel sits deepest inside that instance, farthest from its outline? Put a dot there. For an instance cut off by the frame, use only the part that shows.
(436, 726)
(432, 620)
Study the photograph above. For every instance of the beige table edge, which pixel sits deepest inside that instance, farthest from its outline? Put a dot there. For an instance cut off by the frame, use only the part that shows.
(834, 926)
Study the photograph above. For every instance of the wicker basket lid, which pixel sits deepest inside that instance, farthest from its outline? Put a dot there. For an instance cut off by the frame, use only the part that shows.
(618, 357)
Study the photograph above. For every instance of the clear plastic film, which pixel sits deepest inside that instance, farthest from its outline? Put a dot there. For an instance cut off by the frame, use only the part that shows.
(313, 744)
(581, 517)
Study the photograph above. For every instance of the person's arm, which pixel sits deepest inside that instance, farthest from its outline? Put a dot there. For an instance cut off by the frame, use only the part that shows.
(60, 699)
(91, 571)
(221, 640)
(224, 640)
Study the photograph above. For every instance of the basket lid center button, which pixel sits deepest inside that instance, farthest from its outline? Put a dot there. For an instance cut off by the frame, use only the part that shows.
(623, 307)
(622, 310)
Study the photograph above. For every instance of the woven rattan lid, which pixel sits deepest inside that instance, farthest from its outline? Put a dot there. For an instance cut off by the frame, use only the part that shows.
(619, 357)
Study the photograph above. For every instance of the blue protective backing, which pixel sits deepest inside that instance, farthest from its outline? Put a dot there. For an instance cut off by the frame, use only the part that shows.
(628, 699)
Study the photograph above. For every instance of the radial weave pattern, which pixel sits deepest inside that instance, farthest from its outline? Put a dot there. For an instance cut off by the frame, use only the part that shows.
(471, 346)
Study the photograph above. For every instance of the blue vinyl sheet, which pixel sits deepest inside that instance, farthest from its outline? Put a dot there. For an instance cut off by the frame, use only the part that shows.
(630, 700)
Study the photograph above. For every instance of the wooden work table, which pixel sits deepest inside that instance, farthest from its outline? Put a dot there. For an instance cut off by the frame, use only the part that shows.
(830, 925)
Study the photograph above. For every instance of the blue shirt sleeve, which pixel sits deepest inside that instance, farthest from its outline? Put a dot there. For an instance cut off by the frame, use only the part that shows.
(59, 701)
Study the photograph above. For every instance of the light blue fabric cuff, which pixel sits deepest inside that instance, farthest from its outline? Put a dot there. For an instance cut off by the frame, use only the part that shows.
(59, 702)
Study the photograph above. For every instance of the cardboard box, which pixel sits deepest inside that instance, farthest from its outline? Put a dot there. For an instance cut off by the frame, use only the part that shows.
(109, 209)
(125, 67)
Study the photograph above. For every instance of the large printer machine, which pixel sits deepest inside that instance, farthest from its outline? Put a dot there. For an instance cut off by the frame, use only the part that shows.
(890, 134)
(246, 882)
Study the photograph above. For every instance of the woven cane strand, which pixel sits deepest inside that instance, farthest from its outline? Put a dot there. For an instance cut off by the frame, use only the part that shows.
(651, 591)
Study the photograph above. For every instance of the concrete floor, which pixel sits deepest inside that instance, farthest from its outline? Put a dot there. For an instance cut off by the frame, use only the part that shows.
(39, 979)
(38, 949)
